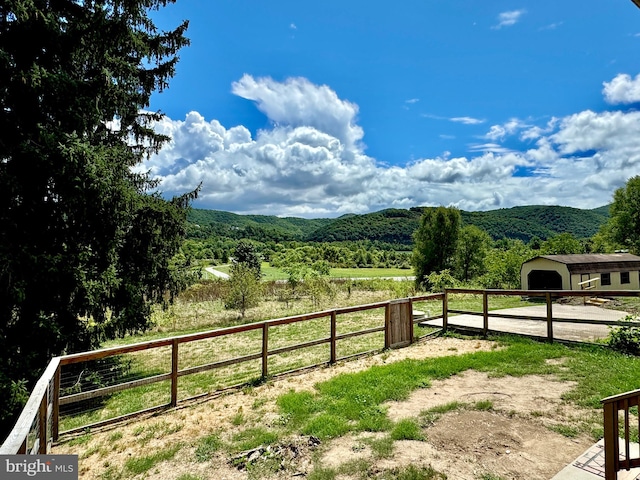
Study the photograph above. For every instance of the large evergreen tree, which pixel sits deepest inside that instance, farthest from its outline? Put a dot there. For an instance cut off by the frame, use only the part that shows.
(85, 246)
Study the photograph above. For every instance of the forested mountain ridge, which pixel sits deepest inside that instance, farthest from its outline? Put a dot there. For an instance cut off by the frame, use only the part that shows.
(397, 225)
(205, 223)
(540, 221)
(392, 225)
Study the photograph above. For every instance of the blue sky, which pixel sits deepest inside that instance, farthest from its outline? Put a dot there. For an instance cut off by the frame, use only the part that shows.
(296, 108)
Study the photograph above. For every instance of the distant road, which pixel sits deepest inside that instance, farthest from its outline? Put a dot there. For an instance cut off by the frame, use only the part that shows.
(217, 273)
(397, 279)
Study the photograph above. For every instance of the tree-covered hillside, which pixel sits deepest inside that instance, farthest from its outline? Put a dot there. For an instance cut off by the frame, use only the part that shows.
(388, 226)
(524, 223)
(207, 223)
(396, 226)
(540, 221)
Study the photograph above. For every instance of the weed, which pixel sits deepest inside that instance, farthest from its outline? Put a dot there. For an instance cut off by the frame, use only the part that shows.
(81, 440)
(407, 429)
(490, 476)
(483, 405)
(431, 416)
(411, 472)
(189, 476)
(91, 451)
(207, 446)
(320, 473)
(258, 402)
(136, 466)
(297, 407)
(626, 339)
(446, 407)
(355, 467)
(374, 419)
(238, 419)
(565, 430)
(381, 447)
(110, 473)
(115, 436)
(146, 433)
(252, 438)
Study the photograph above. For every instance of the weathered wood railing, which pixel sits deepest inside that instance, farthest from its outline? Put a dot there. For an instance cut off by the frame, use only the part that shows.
(39, 422)
(548, 296)
(612, 407)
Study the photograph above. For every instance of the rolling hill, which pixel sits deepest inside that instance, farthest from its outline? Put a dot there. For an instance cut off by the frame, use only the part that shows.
(397, 225)
(204, 223)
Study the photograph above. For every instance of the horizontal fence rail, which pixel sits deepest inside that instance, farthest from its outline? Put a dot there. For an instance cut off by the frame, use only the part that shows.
(552, 321)
(39, 424)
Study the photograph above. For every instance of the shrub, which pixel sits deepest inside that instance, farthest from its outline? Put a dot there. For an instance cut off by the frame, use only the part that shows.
(626, 339)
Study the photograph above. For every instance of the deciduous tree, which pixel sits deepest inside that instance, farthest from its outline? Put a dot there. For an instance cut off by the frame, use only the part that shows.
(561, 244)
(435, 242)
(246, 254)
(244, 289)
(625, 215)
(471, 251)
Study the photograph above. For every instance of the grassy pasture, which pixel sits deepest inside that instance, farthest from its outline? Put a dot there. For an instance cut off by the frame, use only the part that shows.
(273, 273)
(191, 316)
(354, 403)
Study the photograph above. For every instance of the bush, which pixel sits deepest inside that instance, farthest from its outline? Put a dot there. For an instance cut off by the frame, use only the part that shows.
(626, 339)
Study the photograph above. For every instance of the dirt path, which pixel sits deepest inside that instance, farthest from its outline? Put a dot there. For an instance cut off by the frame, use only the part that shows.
(509, 437)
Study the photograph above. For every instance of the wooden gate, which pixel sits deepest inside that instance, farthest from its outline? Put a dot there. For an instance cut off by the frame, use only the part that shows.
(400, 323)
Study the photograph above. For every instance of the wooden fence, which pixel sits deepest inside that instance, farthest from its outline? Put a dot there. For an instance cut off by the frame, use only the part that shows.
(39, 423)
(549, 318)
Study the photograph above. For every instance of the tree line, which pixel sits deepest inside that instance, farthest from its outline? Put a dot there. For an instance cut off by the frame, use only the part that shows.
(446, 252)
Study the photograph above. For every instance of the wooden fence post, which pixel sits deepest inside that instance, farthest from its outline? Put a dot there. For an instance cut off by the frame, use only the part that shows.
(55, 418)
(411, 340)
(549, 318)
(387, 326)
(42, 420)
(445, 310)
(485, 313)
(265, 349)
(174, 373)
(611, 442)
(332, 357)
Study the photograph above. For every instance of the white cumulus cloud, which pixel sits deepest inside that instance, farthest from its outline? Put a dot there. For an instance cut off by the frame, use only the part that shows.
(311, 162)
(297, 101)
(622, 89)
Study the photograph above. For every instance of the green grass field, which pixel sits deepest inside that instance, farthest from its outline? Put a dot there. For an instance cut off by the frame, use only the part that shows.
(272, 273)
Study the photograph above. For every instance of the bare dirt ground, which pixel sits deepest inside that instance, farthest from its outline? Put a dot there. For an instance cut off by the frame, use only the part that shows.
(510, 440)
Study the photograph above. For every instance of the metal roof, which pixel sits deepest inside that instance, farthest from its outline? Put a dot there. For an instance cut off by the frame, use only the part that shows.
(596, 262)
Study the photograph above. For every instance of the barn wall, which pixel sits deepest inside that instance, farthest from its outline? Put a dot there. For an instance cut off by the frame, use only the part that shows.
(572, 281)
(616, 284)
